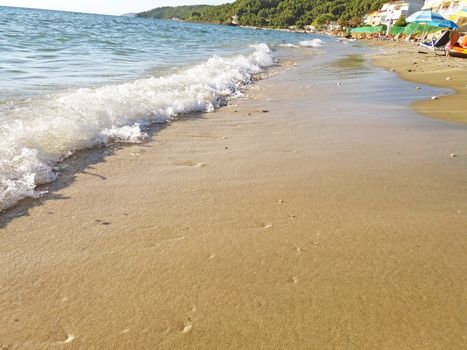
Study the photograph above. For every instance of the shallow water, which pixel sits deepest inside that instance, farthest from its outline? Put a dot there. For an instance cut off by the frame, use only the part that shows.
(43, 51)
(71, 81)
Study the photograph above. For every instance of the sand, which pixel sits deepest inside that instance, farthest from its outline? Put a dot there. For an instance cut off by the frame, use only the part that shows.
(444, 71)
(283, 221)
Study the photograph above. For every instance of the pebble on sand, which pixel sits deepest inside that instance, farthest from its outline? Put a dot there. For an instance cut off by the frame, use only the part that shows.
(453, 155)
(434, 97)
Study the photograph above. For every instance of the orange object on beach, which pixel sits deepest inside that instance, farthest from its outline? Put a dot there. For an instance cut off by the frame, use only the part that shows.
(464, 41)
(458, 51)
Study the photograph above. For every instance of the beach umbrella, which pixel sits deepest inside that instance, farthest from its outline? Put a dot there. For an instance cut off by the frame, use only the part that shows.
(424, 17)
(430, 18)
(443, 24)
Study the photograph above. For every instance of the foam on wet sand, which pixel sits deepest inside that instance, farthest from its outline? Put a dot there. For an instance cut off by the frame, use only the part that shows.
(315, 225)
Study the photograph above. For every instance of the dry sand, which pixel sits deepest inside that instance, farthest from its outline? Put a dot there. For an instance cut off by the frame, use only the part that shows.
(445, 71)
(284, 221)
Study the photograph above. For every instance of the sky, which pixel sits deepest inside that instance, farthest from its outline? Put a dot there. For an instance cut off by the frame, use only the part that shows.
(110, 7)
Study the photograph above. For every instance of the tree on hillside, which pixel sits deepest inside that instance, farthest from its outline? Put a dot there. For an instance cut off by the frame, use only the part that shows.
(323, 19)
(272, 13)
(401, 22)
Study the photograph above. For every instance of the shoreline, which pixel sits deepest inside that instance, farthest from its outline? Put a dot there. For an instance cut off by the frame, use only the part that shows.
(276, 221)
(85, 158)
(445, 72)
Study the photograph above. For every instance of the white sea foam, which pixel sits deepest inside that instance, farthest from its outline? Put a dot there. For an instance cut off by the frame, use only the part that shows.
(312, 43)
(289, 45)
(124, 134)
(38, 134)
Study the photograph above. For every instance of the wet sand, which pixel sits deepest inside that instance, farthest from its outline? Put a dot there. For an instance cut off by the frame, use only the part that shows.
(318, 212)
(447, 72)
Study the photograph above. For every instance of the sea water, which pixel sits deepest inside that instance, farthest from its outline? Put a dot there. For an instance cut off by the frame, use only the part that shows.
(70, 81)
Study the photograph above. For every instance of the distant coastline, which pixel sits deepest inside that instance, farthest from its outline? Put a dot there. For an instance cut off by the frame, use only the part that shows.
(298, 14)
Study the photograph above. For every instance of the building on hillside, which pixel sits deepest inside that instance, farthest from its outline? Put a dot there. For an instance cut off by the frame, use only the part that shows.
(449, 9)
(392, 11)
(432, 5)
(310, 28)
(333, 26)
(373, 18)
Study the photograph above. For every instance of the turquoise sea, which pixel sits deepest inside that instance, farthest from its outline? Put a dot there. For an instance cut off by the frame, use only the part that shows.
(70, 81)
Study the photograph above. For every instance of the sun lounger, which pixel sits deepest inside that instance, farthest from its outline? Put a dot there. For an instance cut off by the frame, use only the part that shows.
(438, 46)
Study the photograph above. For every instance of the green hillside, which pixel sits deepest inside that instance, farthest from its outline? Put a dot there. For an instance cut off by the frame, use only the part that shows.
(271, 13)
(180, 12)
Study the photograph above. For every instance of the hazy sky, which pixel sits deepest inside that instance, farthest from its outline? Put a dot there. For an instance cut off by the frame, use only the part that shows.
(111, 7)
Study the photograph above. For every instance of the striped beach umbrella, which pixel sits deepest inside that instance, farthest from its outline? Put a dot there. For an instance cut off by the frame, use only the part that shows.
(424, 17)
(431, 18)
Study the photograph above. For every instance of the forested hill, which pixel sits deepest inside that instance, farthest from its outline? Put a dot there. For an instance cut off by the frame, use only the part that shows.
(271, 13)
(180, 12)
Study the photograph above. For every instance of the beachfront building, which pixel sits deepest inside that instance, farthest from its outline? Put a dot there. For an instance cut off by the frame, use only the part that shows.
(333, 26)
(450, 9)
(310, 28)
(391, 11)
(373, 18)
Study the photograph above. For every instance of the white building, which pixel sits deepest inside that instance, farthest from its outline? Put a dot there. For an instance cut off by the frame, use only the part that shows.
(447, 8)
(333, 26)
(392, 11)
(373, 18)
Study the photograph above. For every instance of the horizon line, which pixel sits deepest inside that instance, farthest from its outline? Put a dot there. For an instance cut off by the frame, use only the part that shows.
(47, 9)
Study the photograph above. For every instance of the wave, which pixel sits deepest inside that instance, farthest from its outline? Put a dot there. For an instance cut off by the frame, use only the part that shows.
(36, 135)
(289, 45)
(312, 43)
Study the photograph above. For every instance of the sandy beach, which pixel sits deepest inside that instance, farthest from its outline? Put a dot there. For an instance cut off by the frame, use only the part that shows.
(448, 72)
(317, 212)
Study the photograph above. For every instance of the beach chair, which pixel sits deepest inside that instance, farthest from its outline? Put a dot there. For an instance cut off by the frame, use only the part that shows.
(438, 46)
